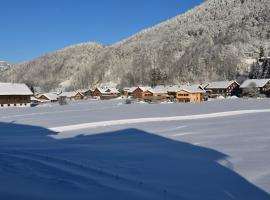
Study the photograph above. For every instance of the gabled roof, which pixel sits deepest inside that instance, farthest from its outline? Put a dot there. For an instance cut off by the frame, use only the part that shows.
(50, 96)
(112, 90)
(192, 89)
(159, 89)
(102, 90)
(83, 90)
(68, 94)
(220, 84)
(258, 82)
(144, 89)
(132, 89)
(14, 89)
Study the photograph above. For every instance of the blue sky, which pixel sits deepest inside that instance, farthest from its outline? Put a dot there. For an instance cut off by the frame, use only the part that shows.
(31, 28)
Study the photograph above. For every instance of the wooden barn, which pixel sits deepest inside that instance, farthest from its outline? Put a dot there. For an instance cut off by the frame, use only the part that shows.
(192, 94)
(14, 94)
(222, 88)
(261, 85)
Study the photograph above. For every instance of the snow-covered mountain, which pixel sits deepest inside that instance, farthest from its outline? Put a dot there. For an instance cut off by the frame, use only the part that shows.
(213, 41)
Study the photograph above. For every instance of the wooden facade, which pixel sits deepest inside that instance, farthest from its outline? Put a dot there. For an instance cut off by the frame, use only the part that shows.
(78, 96)
(48, 97)
(137, 93)
(15, 100)
(262, 86)
(140, 92)
(186, 96)
(224, 89)
(14, 95)
(43, 98)
(97, 93)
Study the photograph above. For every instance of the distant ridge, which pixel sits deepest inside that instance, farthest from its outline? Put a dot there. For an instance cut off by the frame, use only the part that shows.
(213, 41)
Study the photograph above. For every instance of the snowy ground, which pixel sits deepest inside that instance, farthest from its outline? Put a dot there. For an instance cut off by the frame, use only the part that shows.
(109, 150)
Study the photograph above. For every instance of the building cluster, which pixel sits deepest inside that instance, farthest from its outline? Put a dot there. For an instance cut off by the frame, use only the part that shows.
(12, 94)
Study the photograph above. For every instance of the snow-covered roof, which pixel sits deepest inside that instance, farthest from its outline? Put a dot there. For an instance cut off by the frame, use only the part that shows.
(220, 84)
(14, 89)
(132, 89)
(83, 90)
(112, 90)
(144, 89)
(258, 82)
(192, 89)
(204, 85)
(50, 96)
(108, 90)
(68, 94)
(159, 89)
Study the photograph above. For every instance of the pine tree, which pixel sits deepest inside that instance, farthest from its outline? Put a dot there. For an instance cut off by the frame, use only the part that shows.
(261, 53)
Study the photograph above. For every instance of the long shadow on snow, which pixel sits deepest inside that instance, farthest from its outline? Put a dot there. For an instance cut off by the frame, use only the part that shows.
(126, 164)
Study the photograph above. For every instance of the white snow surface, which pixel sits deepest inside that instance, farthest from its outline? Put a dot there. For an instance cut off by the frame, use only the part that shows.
(110, 150)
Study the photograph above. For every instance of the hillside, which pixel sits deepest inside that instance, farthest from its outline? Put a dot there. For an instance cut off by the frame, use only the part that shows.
(4, 66)
(213, 41)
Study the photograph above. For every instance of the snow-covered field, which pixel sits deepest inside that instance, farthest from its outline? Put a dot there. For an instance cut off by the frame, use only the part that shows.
(110, 150)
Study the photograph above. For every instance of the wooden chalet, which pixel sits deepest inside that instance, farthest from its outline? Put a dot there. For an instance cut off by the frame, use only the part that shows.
(48, 97)
(262, 85)
(158, 93)
(98, 92)
(72, 95)
(222, 88)
(86, 92)
(14, 94)
(192, 94)
(106, 93)
(140, 92)
(128, 91)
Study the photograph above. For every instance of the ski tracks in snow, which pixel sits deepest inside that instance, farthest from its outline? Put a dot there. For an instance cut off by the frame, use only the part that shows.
(62, 129)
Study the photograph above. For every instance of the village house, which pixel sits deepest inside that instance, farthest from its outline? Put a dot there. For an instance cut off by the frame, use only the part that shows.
(193, 94)
(139, 92)
(106, 93)
(14, 94)
(72, 95)
(110, 93)
(222, 88)
(127, 91)
(262, 86)
(48, 97)
(158, 93)
(86, 92)
(98, 92)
